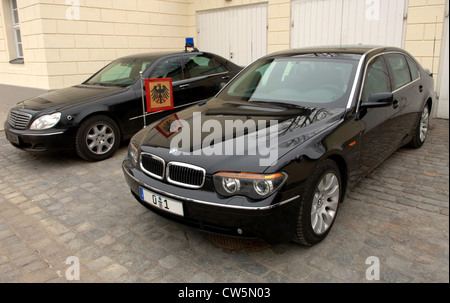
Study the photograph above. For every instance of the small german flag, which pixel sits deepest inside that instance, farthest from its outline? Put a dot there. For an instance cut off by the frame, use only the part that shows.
(159, 93)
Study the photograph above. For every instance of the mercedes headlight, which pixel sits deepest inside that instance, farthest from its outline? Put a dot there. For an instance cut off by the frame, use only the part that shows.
(254, 186)
(46, 121)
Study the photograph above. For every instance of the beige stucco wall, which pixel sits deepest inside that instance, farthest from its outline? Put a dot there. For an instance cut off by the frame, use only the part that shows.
(109, 29)
(425, 23)
(60, 52)
(34, 72)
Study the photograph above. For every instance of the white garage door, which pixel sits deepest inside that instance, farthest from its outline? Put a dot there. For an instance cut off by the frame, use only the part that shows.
(236, 33)
(346, 22)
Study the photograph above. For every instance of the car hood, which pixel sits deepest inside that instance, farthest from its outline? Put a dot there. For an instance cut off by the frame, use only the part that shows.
(67, 97)
(271, 130)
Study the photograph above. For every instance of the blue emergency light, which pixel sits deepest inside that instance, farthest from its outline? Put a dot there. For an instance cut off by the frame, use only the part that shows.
(189, 42)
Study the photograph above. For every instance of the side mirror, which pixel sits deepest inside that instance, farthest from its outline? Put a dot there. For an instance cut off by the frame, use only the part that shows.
(379, 100)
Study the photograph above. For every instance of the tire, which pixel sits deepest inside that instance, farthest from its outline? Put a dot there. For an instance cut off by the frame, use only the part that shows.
(97, 138)
(421, 131)
(319, 204)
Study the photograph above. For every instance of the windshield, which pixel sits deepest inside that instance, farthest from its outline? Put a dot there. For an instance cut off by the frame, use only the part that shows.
(306, 81)
(121, 72)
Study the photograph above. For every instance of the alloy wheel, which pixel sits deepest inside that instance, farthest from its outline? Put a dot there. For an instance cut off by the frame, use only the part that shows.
(100, 139)
(424, 124)
(325, 203)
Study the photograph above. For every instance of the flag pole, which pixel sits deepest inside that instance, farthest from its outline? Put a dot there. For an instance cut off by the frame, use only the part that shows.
(143, 99)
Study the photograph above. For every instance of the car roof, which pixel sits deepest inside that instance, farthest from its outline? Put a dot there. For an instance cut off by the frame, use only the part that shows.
(341, 49)
(158, 54)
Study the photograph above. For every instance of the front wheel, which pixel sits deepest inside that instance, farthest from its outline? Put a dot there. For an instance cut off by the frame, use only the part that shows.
(319, 204)
(97, 138)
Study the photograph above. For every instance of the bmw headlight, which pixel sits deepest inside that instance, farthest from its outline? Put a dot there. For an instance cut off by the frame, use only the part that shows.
(254, 186)
(46, 121)
(133, 153)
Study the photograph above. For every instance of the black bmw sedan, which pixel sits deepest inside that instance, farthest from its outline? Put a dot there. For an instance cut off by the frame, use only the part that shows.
(272, 155)
(94, 117)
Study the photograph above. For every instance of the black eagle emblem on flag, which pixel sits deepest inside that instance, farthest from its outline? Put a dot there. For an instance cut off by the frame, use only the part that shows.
(160, 93)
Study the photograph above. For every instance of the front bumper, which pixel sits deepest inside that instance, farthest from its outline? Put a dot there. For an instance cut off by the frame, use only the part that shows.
(273, 220)
(44, 141)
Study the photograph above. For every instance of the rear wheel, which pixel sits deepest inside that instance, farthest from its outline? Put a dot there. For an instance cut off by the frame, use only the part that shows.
(421, 132)
(97, 138)
(319, 204)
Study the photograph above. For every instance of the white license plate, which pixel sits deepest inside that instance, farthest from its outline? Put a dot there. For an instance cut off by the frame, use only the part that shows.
(162, 202)
(12, 138)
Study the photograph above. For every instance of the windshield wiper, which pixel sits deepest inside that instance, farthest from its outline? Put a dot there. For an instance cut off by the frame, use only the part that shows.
(278, 103)
(261, 101)
(108, 84)
(122, 85)
(96, 83)
(266, 101)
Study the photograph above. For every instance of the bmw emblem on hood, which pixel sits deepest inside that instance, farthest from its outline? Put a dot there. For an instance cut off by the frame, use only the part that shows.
(173, 151)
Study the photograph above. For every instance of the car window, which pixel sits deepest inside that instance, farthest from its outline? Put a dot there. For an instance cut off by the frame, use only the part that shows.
(376, 80)
(414, 68)
(220, 66)
(400, 70)
(120, 72)
(308, 81)
(170, 68)
(117, 73)
(200, 65)
(145, 65)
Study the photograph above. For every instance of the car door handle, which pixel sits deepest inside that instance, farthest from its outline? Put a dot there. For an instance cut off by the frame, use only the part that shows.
(225, 77)
(395, 104)
(421, 88)
(184, 86)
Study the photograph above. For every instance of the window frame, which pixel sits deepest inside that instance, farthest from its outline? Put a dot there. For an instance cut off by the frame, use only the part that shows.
(15, 24)
(389, 75)
(220, 63)
(188, 57)
(359, 101)
(216, 62)
(392, 72)
(412, 61)
(156, 64)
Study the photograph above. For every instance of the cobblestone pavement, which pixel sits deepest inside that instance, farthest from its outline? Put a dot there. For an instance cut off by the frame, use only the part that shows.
(54, 207)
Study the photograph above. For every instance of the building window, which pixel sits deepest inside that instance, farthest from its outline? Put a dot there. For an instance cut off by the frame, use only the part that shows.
(16, 30)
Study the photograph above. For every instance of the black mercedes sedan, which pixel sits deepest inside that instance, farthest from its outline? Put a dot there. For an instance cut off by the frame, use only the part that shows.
(94, 117)
(272, 155)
